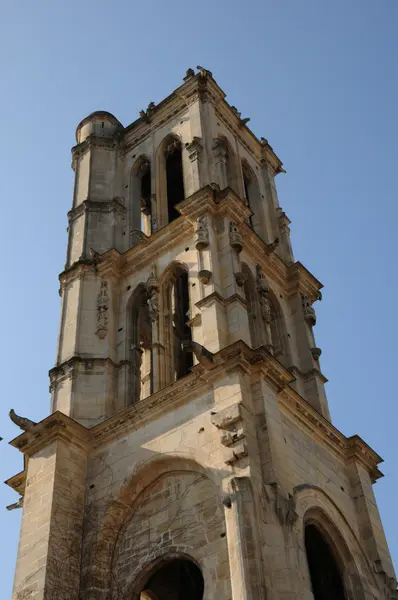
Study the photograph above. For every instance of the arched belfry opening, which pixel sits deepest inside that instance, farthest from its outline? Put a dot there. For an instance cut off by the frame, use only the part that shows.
(140, 197)
(174, 177)
(253, 200)
(177, 579)
(326, 578)
(176, 323)
(140, 346)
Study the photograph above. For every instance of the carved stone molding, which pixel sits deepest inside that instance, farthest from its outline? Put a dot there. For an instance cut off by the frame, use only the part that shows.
(102, 311)
(308, 310)
(229, 421)
(284, 505)
(263, 295)
(205, 276)
(201, 234)
(195, 149)
(235, 237)
(153, 295)
(316, 353)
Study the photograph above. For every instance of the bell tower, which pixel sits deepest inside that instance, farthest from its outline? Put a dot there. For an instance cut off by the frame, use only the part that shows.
(190, 451)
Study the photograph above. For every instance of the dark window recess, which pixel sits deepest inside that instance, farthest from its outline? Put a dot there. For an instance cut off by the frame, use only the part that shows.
(182, 331)
(174, 177)
(326, 580)
(246, 183)
(146, 185)
(176, 580)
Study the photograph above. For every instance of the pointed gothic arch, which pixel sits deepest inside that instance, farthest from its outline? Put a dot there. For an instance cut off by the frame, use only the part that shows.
(227, 165)
(173, 577)
(139, 345)
(170, 189)
(140, 209)
(256, 324)
(174, 323)
(254, 200)
(326, 574)
(280, 343)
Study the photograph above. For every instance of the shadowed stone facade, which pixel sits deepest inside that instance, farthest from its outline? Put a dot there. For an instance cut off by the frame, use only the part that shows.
(189, 452)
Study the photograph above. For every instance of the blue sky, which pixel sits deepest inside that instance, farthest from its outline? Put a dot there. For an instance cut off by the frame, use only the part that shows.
(319, 81)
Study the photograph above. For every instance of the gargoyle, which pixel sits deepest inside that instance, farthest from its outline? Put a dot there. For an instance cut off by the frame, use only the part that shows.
(22, 422)
(271, 247)
(18, 504)
(204, 72)
(204, 356)
(243, 122)
(95, 256)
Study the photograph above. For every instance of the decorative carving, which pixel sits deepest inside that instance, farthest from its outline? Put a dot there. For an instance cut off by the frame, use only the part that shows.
(240, 279)
(204, 356)
(136, 237)
(95, 258)
(235, 237)
(153, 295)
(194, 149)
(102, 311)
(204, 73)
(18, 504)
(316, 353)
(148, 113)
(189, 74)
(243, 122)
(263, 294)
(205, 276)
(146, 206)
(22, 422)
(284, 505)
(273, 245)
(309, 312)
(201, 234)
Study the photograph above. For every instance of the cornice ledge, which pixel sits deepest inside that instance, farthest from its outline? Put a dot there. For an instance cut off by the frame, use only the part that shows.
(137, 415)
(216, 297)
(258, 359)
(232, 206)
(308, 374)
(314, 423)
(346, 449)
(299, 279)
(167, 237)
(66, 368)
(76, 269)
(358, 450)
(54, 427)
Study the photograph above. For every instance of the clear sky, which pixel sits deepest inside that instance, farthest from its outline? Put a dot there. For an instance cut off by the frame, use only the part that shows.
(319, 81)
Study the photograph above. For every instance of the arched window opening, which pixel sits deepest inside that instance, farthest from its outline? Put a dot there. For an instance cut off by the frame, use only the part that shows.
(246, 185)
(174, 178)
(140, 349)
(140, 199)
(175, 580)
(146, 198)
(326, 578)
(254, 200)
(253, 311)
(175, 325)
(183, 361)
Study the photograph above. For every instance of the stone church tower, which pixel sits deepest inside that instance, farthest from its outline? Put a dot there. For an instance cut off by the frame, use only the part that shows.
(189, 453)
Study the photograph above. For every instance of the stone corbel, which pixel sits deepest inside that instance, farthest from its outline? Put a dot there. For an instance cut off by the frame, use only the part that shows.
(235, 237)
(102, 311)
(308, 311)
(232, 435)
(195, 149)
(284, 504)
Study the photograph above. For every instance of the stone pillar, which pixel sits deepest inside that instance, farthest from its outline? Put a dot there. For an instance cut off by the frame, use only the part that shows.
(284, 230)
(50, 544)
(243, 550)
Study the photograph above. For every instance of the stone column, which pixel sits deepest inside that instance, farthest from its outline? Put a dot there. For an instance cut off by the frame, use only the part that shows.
(50, 544)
